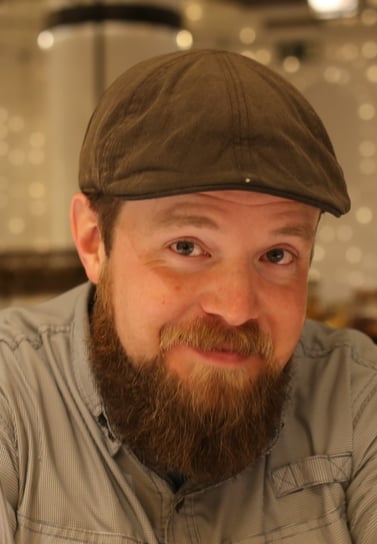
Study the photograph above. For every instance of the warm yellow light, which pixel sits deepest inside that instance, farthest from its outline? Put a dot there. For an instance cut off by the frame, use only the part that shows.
(184, 39)
(330, 8)
(45, 39)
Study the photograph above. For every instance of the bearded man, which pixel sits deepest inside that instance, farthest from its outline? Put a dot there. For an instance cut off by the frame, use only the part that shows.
(180, 396)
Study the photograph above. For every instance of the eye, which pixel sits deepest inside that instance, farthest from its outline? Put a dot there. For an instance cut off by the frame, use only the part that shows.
(279, 256)
(187, 248)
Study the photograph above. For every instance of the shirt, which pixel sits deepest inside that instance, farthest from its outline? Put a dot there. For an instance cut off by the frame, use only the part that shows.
(65, 478)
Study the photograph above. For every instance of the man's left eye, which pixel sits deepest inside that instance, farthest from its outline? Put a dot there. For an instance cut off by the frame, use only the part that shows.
(279, 256)
(187, 248)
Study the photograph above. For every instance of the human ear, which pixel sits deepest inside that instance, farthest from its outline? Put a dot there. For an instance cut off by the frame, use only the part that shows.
(87, 236)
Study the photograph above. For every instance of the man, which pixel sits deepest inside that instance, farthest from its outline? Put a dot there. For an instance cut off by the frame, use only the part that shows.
(179, 397)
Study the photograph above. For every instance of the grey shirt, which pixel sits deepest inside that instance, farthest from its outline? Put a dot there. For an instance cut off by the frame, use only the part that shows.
(66, 479)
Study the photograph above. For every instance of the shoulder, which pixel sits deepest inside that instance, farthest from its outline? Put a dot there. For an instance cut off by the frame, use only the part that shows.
(40, 346)
(333, 396)
(37, 341)
(340, 360)
(335, 385)
(346, 346)
(30, 324)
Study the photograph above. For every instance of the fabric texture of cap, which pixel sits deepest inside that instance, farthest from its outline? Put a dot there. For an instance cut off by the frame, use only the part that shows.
(205, 120)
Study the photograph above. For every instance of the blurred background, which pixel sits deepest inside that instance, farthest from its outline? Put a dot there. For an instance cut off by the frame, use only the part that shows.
(57, 57)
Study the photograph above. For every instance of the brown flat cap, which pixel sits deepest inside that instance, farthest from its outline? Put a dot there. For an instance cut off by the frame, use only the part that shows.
(205, 120)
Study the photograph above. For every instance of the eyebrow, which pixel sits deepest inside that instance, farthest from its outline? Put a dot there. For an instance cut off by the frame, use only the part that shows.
(306, 232)
(169, 218)
(180, 220)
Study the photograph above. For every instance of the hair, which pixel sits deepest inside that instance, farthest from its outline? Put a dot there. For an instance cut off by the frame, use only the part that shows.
(107, 208)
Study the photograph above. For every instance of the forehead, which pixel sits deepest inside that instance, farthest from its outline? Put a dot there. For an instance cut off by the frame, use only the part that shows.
(249, 198)
(226, 201)
(221, 210)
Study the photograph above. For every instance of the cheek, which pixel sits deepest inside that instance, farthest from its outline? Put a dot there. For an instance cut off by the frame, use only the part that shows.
(143, 303)
(286, 319)
(134, 306)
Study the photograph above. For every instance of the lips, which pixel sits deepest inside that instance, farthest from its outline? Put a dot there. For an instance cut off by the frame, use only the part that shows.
(223, 357)
(186, 360)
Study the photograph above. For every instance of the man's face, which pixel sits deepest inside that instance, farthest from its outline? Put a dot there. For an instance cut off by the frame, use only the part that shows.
(237, 256)
(206, 294)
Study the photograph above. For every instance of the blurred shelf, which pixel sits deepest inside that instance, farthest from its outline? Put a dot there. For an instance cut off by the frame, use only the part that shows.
(29, 274)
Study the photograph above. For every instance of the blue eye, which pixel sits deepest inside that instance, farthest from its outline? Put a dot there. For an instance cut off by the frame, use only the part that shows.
(279, 256)
(187, 248)
(184, 247)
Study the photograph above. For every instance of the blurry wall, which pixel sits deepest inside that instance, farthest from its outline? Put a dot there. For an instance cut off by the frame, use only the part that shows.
(56, 59)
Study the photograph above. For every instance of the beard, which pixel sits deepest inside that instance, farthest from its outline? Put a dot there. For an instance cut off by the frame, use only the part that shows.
(206, 428)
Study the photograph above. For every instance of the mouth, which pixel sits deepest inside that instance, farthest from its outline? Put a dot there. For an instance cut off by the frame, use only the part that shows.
(225, 357)
(183, 359)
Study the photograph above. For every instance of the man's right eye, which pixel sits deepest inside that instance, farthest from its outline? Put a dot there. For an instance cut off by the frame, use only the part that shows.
(187, 248)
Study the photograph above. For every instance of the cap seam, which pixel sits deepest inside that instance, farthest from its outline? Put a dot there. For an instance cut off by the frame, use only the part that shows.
(243, 139)
(230, 92)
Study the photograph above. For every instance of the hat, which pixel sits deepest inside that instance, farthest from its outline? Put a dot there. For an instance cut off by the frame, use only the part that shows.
(206, 120)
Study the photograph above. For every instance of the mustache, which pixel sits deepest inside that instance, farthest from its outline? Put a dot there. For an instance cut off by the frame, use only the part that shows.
(210, 334)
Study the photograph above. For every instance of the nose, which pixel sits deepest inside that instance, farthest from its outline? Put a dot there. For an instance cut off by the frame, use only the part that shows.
(231, 293)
